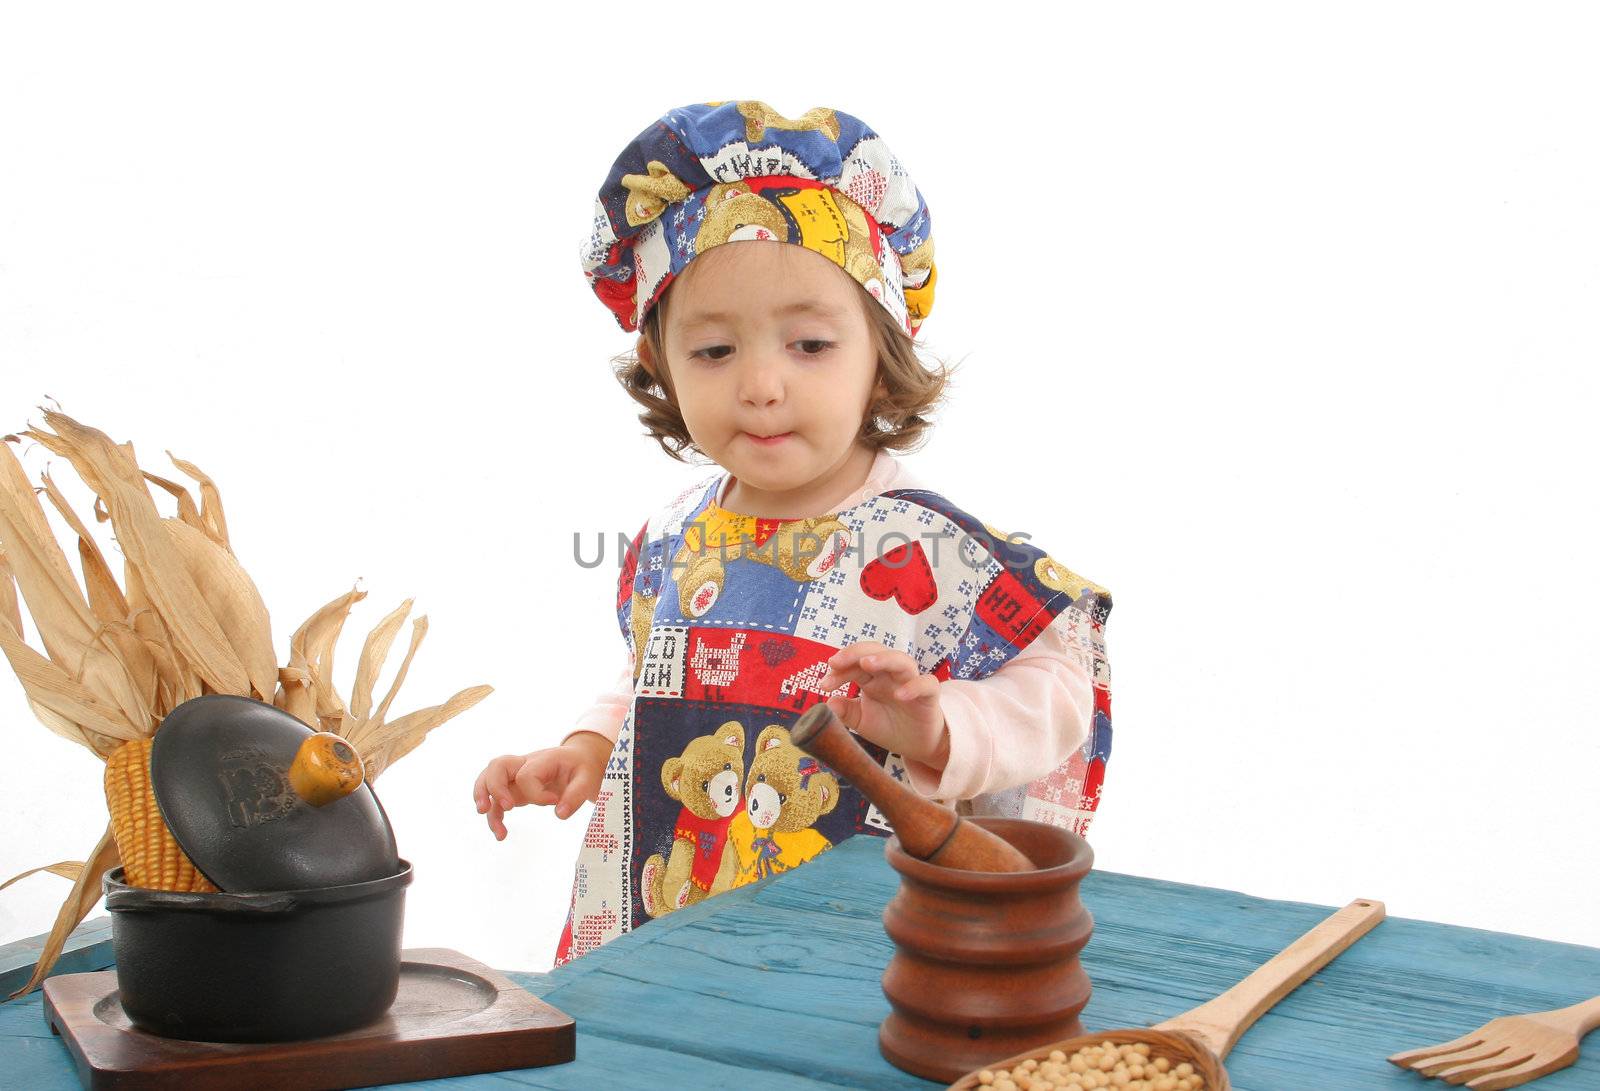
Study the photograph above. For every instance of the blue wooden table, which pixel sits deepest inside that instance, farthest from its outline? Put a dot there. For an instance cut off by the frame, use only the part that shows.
(776, 985)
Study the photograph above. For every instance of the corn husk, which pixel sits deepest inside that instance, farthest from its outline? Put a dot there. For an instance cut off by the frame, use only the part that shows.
(81, 898)
(185, 620)
(72, 636)
(67, 869)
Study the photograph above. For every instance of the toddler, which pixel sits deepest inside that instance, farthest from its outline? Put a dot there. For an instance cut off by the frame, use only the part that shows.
(815, 568)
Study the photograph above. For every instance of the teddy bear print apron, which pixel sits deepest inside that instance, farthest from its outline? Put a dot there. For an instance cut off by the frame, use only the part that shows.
(731, 620)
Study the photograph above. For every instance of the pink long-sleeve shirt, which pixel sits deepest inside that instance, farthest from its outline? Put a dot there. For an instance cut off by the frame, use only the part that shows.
(1010, 728)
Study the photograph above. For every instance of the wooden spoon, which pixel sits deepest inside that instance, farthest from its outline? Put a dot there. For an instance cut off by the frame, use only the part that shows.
(1203, 1036)
(926, 830)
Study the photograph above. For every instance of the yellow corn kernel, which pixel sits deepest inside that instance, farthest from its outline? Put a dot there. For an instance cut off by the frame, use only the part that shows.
(150, 854)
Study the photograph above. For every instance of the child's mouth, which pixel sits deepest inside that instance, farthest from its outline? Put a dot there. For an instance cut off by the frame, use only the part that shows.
(768, 441)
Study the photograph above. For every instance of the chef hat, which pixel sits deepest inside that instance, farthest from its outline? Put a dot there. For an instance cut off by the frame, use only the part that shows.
(717, 172)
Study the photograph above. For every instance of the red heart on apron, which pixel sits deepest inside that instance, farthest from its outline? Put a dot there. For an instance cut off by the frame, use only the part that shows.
(904, 575)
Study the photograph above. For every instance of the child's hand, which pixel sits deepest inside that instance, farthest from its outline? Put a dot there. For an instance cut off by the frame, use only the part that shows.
(565, 776)
(898, 707)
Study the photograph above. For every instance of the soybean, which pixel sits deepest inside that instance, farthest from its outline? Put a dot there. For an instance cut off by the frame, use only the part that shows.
(1126, 1066)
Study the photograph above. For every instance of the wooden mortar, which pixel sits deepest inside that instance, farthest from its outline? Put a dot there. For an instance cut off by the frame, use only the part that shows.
(985, 964)
(987, 925)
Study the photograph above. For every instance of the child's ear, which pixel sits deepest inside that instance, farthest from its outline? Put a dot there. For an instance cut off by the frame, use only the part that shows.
(642, 350)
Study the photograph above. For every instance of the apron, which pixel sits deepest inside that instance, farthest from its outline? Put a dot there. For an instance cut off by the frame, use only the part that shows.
(731, 619)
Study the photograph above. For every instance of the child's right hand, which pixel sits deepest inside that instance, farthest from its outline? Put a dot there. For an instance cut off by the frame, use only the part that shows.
(565, 776)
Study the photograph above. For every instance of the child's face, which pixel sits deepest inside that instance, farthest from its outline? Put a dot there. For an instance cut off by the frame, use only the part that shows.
(746, 361)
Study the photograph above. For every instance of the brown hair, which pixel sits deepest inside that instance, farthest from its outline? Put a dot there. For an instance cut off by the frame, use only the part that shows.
(897, 422)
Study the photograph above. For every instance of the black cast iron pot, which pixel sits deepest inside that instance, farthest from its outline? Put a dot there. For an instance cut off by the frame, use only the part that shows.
(269, 967)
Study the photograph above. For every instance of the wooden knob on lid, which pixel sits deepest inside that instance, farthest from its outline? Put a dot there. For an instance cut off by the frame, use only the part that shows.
(325, 768)
(925, 829)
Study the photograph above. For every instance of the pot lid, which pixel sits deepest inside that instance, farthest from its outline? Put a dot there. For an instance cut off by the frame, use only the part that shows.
(259, 801)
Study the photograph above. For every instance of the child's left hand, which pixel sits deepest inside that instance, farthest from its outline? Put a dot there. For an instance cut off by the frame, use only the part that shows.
(898, 707)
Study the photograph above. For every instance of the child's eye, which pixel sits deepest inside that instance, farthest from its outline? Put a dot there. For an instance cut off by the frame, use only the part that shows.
(810, 347)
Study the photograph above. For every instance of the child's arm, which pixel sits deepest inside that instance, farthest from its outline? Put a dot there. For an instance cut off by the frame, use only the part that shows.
(1014, 726)
(605, 716)
(562, 776)
(963, 737)
(565, 776)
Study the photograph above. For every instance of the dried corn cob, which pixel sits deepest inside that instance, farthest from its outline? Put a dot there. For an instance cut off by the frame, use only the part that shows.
(151, 857)
(186, 620)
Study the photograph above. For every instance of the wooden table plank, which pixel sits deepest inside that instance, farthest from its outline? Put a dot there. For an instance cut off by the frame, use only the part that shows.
(87, 948)
(789, 980)
(1158, 949)
(777, 986)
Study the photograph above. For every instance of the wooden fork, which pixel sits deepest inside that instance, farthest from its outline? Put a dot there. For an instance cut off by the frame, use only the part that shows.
(1508, 1051)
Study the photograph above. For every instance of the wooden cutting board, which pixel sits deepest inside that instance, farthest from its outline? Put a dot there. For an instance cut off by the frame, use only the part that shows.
(453, 1016)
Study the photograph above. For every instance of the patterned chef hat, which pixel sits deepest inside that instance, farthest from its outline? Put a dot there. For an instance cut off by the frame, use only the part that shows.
(718, 172)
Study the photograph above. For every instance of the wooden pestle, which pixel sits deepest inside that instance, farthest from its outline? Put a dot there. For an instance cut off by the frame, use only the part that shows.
(925, 829)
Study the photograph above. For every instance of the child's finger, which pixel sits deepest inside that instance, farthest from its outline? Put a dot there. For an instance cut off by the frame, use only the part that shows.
(843, 676)
(921, 687)
(496, 820)
(540, 780)
(495, 789)
(873, 659)
(848, 709)
(836, 678)
(897, 665)
(844, 665)
(580, 789)
(492, 778)
(849, 656)
(879, 678)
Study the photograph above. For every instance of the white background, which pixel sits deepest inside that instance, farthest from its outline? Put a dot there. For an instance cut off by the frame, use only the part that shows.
(1279, 322)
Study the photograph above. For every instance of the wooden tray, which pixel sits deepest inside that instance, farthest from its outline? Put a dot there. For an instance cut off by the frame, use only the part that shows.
(453, 1016)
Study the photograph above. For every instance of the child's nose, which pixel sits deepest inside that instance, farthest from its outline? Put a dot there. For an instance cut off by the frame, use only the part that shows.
(761, 381)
